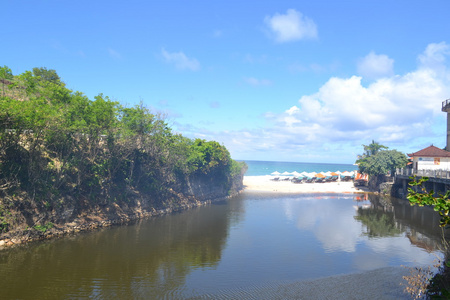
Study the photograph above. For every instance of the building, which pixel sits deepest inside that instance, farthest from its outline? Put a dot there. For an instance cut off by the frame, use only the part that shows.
(431, 162)
(430, 158)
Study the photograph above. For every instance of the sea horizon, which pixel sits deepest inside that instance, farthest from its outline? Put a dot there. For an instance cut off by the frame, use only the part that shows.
(263, 168)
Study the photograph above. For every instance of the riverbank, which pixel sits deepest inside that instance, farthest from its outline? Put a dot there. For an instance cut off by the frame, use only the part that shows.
(113, 214)
(266, 184)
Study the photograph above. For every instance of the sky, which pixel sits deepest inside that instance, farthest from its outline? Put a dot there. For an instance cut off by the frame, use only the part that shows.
(301, 81)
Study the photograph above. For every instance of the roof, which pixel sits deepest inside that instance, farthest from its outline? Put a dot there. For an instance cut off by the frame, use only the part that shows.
(431, 151)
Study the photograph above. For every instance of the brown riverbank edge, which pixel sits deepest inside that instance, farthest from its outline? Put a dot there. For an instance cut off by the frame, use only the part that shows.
(267, 184)
(92, 221)
(381, 284)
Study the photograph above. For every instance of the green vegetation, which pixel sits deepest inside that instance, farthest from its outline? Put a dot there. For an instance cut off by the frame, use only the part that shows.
(55, 142)
(378, 160)
(440, 204)
(436, 286)
(43, 228)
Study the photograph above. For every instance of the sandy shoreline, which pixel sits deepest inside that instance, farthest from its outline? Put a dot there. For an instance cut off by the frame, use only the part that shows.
(265, 184)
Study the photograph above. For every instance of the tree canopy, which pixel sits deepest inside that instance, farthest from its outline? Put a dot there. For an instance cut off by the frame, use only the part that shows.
(378, 160)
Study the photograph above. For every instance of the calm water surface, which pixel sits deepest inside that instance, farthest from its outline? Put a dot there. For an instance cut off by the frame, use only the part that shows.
(252, 240)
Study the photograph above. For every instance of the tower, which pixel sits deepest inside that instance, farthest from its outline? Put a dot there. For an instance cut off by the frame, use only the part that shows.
(446, 108)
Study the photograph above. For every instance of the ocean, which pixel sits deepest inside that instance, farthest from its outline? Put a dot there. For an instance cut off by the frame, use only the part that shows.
(261, 168)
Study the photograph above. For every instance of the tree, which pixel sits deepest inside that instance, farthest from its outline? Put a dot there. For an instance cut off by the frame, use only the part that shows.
(372, 149)
(6, 73)
(207, 157)
(5, 76)
(377, 160)
(382, 163)
(137, 120)
(47, 75)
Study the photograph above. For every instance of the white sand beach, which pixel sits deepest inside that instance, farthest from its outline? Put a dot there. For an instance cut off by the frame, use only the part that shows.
(265, 184)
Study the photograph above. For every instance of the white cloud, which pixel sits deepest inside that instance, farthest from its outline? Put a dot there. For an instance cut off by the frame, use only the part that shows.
(257, 82)
(391, 109)
(375, 66)
(343, 114)
(386, 110)
(114, 54)
(314, 67)
(434, 55)
(180, 60)
(291, 27)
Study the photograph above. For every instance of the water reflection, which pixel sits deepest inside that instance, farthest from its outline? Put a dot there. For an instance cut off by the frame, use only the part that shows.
(377, 223)
(387, 226)
(328, 219)
(146, 259)
(250, 240)
(387, 216)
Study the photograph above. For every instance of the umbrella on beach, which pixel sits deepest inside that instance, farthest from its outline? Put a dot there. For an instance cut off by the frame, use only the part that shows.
(347, 173)
(275, 173)
(296, 174)
(286, 173)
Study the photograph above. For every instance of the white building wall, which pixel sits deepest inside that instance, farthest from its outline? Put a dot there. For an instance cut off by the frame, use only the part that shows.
(431, 163)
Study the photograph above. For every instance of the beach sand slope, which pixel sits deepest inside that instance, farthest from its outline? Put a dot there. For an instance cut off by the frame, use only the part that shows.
(266, 184)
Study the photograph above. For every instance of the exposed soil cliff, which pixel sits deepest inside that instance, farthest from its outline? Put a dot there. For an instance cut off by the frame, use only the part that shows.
(30, 221)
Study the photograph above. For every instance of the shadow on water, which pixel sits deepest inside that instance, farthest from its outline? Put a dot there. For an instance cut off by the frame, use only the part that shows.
(145, 259)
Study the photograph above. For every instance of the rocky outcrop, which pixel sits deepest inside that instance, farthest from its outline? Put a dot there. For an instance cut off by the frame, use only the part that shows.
(381, 184)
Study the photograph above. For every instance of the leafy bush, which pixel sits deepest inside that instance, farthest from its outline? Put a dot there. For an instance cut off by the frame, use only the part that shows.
(56, 142)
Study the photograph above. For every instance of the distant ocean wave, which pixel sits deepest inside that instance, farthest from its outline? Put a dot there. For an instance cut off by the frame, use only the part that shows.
(261, 168)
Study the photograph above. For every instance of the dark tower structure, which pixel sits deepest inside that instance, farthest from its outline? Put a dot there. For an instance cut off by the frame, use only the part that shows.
(446, 108)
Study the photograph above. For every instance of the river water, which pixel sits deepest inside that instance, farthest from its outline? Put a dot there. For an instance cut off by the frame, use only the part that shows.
(252, 241)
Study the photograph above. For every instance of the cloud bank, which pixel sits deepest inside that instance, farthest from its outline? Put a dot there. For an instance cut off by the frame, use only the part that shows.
(344, 113)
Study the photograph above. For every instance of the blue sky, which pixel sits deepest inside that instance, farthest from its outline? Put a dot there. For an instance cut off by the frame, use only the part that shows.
(306, 81)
